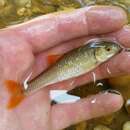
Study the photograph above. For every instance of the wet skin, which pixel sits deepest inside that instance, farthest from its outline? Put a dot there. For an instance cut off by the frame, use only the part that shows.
(25, 47)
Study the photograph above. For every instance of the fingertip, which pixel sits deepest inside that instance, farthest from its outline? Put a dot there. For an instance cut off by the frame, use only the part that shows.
(123, 36)
(111, 18)
(120, 15)
(116, 101)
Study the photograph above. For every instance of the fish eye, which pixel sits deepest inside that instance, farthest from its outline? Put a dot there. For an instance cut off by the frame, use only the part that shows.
(108, 49)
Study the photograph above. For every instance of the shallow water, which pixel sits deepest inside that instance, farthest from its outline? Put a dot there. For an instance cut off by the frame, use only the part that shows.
(17, 11)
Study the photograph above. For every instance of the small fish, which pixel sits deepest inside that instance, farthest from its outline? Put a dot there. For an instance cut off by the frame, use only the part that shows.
(73, 64)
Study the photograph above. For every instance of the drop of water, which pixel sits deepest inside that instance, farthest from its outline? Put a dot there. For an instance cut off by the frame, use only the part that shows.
(72, 82)
(94, 101)
(94, 77)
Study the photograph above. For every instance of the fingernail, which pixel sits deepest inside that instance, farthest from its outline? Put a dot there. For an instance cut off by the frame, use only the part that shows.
(113, 91)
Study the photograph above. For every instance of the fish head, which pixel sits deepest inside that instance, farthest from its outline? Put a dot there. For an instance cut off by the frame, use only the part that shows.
(104, 50)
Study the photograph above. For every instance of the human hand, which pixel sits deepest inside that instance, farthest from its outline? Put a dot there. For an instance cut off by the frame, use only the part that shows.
(24, 48)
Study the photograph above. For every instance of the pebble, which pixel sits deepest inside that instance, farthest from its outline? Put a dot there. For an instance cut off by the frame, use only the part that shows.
(81, 126)
(3, 3)
(127, 106)
(126, 126)
(102, 127)
(23, 3)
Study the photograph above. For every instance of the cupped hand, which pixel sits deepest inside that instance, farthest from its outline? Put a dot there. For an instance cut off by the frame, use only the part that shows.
(24, 49)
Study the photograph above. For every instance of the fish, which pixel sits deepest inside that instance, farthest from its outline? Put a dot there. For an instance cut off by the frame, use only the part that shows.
(71, 65)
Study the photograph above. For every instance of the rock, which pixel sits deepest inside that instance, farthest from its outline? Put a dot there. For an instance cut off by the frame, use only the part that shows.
(127, 106)
(126, 125)
(101, 127)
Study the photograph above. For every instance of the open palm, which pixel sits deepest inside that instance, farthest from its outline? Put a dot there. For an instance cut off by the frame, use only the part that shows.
(24, 48)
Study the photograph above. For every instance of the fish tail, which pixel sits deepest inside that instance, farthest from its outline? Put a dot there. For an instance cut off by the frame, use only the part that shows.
(16, 93)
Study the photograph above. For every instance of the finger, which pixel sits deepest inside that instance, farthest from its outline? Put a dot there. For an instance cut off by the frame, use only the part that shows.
(49, 30)
(123, 36)
(64, 115)
(113, 67)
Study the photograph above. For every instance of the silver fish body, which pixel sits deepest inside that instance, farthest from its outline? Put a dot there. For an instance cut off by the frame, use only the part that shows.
(76, 63)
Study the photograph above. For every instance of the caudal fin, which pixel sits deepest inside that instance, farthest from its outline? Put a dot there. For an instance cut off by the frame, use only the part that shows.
(16, 93)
